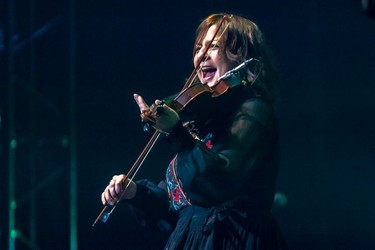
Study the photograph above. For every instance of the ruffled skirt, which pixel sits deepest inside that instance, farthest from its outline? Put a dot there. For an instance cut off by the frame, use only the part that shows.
(225, 228)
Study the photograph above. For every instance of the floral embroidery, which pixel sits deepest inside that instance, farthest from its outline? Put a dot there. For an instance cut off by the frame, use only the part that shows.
(176, 195)
(208, 144)
(207, 141)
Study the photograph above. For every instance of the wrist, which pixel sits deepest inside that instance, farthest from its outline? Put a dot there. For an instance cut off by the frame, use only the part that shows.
(130, 191)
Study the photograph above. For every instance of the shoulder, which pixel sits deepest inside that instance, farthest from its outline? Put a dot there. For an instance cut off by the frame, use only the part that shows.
(257, 109)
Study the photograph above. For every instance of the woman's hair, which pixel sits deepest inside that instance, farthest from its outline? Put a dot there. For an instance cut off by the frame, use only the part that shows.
(241, 39)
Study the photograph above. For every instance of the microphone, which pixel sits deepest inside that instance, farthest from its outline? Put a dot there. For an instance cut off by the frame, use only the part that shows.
(236, 69)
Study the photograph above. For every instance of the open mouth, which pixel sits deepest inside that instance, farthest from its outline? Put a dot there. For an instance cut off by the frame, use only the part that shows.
(208, 73)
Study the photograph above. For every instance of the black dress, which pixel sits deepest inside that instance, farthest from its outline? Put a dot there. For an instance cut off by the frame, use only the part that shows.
(219, 190)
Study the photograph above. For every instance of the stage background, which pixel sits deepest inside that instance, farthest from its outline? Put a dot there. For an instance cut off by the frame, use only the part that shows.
(325, 51)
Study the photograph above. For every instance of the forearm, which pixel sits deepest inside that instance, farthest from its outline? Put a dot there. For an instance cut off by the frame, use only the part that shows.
(150, 199)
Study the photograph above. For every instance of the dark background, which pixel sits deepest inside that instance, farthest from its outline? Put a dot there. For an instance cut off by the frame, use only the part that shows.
(325, 51)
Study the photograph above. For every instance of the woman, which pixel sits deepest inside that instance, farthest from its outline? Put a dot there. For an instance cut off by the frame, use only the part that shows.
(219, 188)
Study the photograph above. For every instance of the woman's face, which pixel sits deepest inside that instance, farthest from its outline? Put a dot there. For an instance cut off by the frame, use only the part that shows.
(215, 64)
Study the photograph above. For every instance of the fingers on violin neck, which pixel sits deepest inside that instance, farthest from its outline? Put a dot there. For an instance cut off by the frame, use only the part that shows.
(159, 102)
(159, 110)
(148, 118)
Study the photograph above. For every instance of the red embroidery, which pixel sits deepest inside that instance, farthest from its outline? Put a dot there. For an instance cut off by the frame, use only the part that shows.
(175, 192)
(208, 144)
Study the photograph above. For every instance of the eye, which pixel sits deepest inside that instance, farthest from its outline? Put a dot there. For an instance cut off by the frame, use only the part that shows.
(197, 49)
(214, 46)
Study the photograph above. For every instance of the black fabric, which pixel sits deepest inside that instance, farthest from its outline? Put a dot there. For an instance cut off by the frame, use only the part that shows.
(230, 185)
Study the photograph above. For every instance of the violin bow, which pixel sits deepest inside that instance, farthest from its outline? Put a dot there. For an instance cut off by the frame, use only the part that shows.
(107, 210)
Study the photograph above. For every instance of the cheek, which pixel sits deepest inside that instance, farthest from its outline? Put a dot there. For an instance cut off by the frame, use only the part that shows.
(195, 61)
(221, 60)
(223, 66)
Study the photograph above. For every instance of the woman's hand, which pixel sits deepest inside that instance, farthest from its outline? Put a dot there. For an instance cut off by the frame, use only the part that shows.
(118, 188)
(159, 115)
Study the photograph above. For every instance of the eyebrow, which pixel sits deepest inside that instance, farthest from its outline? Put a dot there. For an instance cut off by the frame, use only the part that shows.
(207, 42)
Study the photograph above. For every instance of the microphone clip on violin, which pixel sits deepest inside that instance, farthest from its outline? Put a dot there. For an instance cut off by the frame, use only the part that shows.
(240, 67)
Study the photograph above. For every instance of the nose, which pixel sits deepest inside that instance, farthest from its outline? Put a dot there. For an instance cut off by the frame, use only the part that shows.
(203, 56)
